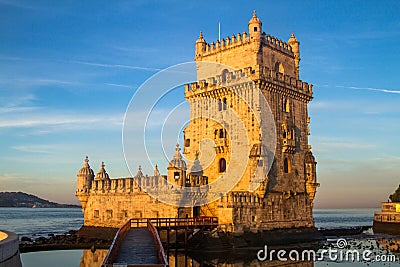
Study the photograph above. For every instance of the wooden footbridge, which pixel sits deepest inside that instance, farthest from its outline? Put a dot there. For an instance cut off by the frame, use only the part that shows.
(137, 242)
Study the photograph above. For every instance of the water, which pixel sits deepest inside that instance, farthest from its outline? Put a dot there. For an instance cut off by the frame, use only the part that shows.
(41, 222)
(342, 218)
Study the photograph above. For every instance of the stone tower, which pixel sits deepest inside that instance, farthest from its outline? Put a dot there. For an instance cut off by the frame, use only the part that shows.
(286, 197)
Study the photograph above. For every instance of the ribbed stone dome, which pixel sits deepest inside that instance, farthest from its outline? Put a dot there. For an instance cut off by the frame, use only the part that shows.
(102, 174)
(86, 170)
(177, 161)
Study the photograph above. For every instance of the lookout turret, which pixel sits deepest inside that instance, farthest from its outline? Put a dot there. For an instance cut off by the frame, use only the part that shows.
(177, 168)
(255, 27)
(295, 44)
(85, 178)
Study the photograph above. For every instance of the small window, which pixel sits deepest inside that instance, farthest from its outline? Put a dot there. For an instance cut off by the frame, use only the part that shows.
(255, 29)
(109, 214)
(222, 165)
(176, 175)
(279, 68)
(225, 106)
(187, 142)
(219, 105)
(286, 105)
(221, 133)
(96, 214)
(286, 165)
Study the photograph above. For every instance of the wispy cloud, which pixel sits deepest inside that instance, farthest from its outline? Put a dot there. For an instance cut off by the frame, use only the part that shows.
(19, 4)
(370, 89)
(43, 149)
(383, 90)
(64, 122)
(120, 85)
(120, 66)
(17, 104)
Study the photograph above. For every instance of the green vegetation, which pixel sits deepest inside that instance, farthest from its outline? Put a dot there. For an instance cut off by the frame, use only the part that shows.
(395, 197)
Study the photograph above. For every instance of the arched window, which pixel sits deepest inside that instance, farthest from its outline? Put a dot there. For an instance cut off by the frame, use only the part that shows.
(222, 165)
(219, 105)
(224, 74)
(279, 68)
(225, 106)
(221, 133)
(286, 165)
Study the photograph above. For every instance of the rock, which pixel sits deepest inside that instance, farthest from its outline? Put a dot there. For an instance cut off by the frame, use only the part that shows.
(26, 239)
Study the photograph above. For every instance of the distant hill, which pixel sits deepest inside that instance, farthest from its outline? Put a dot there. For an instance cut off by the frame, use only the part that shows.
(20, 199)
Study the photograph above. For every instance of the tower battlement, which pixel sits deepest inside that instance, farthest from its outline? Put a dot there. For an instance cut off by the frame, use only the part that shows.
(243, 39)
(230, 79)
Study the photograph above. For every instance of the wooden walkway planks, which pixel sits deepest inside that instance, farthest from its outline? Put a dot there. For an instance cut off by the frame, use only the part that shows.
(137, 248)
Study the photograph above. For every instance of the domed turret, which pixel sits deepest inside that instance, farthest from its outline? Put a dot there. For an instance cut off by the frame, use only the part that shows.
(102, 174)
(255, 27)
(200, 45)
(139, 172)
(177, 168)
(85, 178)
(177, 161)
(196, 169)
(86, 170)
(295, 45)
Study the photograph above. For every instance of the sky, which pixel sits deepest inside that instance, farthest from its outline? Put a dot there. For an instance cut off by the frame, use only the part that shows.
(68, 70)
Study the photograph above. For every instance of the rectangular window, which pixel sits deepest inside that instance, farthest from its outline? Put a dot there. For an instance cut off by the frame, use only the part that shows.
(187, 142)
(96, 214)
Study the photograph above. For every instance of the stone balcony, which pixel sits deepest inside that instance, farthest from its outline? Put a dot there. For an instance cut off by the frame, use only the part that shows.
(288, 145)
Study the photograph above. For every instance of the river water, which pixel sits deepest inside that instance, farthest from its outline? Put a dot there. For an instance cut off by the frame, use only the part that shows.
(41, 222)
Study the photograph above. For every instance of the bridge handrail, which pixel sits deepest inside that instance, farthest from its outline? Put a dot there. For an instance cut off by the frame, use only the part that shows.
(160, 249)
(172, 222)
(115, 245)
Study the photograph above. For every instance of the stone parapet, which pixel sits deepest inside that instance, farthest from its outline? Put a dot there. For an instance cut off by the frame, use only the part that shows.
(242, 39)
(8, 245)
(234, 80)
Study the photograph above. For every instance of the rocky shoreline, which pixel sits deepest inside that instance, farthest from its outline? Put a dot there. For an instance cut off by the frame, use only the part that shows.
(68, 240)
(91, 238)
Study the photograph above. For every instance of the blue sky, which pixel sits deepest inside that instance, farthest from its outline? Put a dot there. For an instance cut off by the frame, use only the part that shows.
(68, 70)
